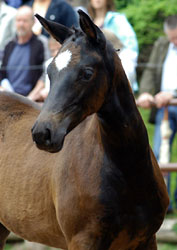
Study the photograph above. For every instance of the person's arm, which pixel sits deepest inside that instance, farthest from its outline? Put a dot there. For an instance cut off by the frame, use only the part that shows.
(163, 98)
(148, 79)
(147, 82)
(35, 94)
(145, 100)
(4, 64)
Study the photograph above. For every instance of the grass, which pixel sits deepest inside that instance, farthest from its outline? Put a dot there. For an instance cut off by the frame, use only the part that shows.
(150, 129)
(160, 247)
(12, 246)
(175, 228)
(7, 247)
(167, 247)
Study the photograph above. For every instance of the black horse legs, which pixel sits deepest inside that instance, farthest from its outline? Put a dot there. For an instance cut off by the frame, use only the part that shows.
(3, 236)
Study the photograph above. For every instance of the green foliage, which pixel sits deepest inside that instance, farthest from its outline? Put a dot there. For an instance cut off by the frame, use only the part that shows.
(120, 4)
(147, 17)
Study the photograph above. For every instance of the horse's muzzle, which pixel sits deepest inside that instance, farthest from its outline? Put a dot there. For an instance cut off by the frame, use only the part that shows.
(46, 138)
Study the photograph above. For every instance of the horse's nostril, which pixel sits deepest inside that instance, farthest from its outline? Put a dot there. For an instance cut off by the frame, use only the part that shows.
(47, 137)
(41, 137)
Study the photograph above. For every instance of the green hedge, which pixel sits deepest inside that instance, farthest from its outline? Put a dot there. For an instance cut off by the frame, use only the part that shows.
(147, 17)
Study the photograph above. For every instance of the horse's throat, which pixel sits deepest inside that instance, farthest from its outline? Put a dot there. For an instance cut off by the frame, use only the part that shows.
(122, 128)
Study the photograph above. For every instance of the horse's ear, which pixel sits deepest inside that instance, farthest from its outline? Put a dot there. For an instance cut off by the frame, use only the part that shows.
(56, 30)
(91, 30)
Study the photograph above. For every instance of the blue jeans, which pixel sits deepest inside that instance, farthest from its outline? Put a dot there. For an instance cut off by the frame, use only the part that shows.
(172, 116)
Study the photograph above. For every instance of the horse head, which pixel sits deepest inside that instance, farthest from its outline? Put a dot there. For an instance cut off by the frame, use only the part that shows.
(80, 76)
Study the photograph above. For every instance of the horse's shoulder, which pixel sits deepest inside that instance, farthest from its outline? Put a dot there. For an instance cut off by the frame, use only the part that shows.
(82, 137)
(87, 129)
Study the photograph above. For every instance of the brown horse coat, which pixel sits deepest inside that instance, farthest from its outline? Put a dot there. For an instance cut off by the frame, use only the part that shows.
(49, 198)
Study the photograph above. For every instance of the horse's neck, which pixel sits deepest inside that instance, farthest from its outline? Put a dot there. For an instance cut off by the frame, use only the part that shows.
(123, 133)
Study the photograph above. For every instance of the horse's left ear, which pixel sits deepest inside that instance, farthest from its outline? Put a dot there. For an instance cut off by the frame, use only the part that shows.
(56, 30)
(91, 30)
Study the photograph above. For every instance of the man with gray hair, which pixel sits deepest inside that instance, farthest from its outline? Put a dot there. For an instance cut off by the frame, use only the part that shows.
(159, 83)
(23, 59)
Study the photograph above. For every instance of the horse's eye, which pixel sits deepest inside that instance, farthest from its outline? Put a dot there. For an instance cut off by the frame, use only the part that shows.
(87, 74)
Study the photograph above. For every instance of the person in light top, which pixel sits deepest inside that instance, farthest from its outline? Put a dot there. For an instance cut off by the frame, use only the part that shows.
(104, 16)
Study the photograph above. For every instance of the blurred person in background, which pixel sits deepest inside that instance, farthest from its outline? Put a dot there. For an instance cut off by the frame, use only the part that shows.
(159, 85)
(22, 63)
(7, 25)
(126, 59)
(14, 3)
(42, 94)
(104, 16)
(54, 10)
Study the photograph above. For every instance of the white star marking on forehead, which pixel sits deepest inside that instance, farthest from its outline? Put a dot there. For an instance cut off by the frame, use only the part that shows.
(63, 59)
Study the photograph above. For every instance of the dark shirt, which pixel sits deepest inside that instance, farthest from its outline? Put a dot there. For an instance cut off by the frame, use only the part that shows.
(61, 12)
(18, 68)
(14, 3)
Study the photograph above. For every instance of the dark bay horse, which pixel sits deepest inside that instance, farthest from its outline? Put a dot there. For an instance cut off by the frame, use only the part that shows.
(102, 189)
